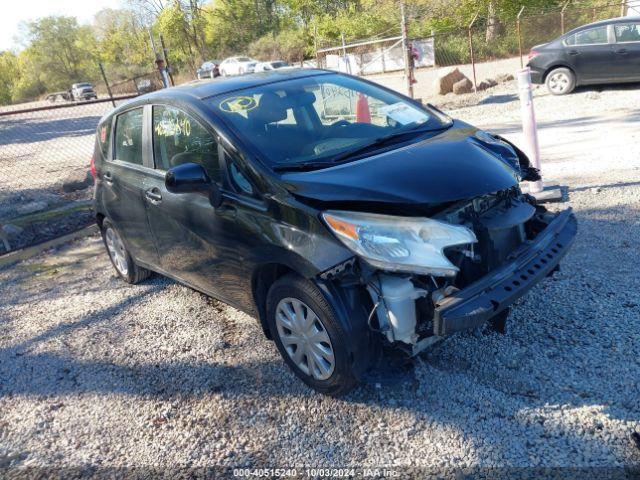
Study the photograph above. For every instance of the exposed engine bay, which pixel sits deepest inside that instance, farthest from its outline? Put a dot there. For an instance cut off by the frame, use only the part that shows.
(407, 308)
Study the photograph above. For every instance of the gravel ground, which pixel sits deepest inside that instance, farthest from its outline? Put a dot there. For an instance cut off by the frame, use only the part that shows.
(94, 372)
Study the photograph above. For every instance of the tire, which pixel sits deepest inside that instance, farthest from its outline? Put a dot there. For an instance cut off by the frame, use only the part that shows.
(120, 258)
(560, 81)
(334, 378)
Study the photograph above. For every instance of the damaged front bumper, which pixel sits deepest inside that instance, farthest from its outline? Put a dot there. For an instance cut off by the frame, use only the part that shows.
(493, 293)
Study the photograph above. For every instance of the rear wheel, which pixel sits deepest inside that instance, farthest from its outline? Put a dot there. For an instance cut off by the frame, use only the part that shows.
(309, 336)
(120, 258)
(561, 81)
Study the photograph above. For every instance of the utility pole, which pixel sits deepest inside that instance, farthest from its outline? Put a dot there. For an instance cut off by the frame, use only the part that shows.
(166, 60)
(623, 8)
(159, 62)
(405, 47)
(104, 77)
(345, 59)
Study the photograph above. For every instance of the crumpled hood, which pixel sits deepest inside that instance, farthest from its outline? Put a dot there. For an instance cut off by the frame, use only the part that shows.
(453, 165)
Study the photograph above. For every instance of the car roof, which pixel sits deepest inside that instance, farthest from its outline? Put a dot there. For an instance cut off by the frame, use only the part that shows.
(209, 88)
(203, 89)
(600, 23)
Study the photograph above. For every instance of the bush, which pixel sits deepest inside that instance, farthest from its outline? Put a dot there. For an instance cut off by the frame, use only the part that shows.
(289, 45)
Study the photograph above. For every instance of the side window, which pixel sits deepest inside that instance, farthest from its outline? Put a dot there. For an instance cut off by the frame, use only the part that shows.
(593, 36)
(179, 138)
(628, 32)
(128, 141)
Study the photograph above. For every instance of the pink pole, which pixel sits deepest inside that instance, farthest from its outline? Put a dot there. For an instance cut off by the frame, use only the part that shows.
(529, 126)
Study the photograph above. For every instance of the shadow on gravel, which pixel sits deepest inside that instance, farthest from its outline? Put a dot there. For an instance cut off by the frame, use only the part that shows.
(570, 122)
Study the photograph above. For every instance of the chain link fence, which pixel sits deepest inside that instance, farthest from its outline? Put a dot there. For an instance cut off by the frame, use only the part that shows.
(45, 153)
(483, 41)
(45, 184)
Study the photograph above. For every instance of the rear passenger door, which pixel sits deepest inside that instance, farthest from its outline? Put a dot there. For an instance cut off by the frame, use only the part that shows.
(123, 177)
(627, 51)
(196, 242)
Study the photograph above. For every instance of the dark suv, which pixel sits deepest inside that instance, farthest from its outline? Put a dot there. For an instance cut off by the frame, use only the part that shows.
(354, 223)
(602, 52)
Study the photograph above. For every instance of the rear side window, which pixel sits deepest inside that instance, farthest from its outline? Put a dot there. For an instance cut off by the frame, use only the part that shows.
(128, 141)
(104, 135)
(179, 138)
(593, 36)
(628, 32)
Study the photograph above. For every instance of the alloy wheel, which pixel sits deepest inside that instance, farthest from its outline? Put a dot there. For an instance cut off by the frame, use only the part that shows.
(304, 338)
(559, 82)
(117, 252)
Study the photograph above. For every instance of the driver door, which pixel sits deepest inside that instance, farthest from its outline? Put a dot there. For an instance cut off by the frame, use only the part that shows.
(195, 242)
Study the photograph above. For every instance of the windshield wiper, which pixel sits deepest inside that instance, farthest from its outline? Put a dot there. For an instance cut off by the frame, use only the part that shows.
(301, 167)
(382, 141)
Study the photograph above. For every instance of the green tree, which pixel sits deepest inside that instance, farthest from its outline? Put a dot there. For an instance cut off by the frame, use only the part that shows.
(9, 76)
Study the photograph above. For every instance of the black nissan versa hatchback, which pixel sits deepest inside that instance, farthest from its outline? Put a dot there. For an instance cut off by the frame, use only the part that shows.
(355, 224)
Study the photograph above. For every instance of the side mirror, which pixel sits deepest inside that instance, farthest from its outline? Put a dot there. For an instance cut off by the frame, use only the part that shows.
(192, 178)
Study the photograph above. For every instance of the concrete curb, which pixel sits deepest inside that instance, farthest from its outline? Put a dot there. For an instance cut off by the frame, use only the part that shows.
(34, 250)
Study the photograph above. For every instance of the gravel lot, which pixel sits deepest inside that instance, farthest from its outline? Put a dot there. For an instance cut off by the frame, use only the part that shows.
(96, 373)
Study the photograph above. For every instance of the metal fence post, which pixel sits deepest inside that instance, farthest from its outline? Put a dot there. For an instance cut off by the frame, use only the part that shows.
(520, 36)
(473, 59)
(104, 77)
(166, 60)
(407, 53)
(562, 22)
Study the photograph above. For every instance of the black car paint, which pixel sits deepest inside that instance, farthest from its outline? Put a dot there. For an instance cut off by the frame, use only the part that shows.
(233, 251)
(427, 173)
(592, 64)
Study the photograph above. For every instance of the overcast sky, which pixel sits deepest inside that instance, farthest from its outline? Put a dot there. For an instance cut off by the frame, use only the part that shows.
(16, 11)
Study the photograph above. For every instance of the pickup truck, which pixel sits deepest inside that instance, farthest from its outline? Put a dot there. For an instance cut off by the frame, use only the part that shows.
(83, 91)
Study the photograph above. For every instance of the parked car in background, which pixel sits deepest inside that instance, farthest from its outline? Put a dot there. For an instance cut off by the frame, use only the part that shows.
(144, 85)
(598, 53)
(237, 66)
(210, 69)
(83, 91)
(274, 65)
(346, 236)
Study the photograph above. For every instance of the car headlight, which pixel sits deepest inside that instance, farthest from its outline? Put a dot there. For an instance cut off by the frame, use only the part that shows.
(401, 244)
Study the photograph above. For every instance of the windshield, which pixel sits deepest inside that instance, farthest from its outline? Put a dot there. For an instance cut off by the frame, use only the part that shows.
(320, 118)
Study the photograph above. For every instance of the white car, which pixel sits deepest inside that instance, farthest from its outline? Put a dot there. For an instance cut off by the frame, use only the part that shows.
(237, 66)
(275, 65)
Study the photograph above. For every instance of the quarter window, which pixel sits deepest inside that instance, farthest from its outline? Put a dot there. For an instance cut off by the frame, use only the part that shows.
(593, 36)
(104, 136)
(128, 142)
(179, 138)
(628, 32)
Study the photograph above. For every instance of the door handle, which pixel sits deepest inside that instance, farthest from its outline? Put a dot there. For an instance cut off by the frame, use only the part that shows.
(107, 177)
(622, 51)
(574, 52)
(153, 195)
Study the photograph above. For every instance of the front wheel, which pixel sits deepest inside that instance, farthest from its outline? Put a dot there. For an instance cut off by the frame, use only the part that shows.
(309, 336)
(120, 258)
(561, 81)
